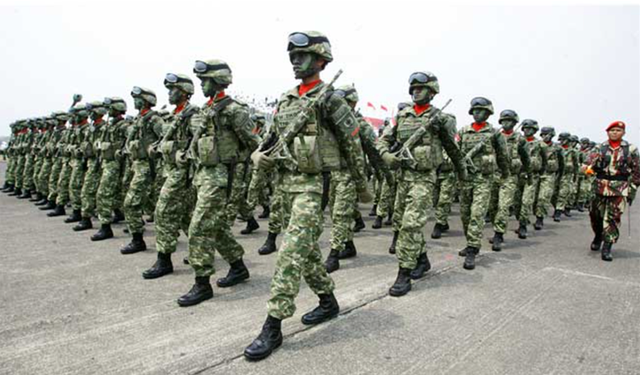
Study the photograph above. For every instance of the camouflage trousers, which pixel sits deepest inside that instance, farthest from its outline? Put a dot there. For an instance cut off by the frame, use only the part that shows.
(75, 185)
(56, 167)
(545, 192)
(108, 190)
(37, 166)
(474, 202)
(209, 229)
(518, 194)
(565, 191)
(258, 190)
(445, 186)
(27, 174)
(605, 214)
(90, 187)
(585, 193)
(174, 209)
(157, 180)
(8, 173)
(299, 255)
(378, 181)
(236, 205)
(18, 171)
(137, 195)
(42, 185)
(414, 200)
(127, 176)
(506, 193)
(387, 197)
(64, 181)
(280, 214)
(528, 199)
(342, 195)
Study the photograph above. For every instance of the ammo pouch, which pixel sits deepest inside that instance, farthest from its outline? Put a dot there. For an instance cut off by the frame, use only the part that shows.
(228, 146)
(423, 158)
(137, 150)
(552, 165)
(107, 151)
(536, 164)
(487, 164)
(307, 154)
(87, 149)
(168, 150)
(516, 165)
(208, 152)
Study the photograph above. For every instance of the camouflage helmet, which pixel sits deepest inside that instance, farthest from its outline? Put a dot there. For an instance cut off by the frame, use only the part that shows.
(585, 140)
(258, 118)
(310, 41)
(97, 107)
(216, 69)
(508, 114)
(547, 130)
(563, 136)
(117, 103)
(574, 138)
(51, 120)
(481, 103)
(348, 92)
(60, 116)
(528, 123)
(181, 81)
(424, 79)
(592, 144)
(41, 122)
(148, 95)
(80, 109)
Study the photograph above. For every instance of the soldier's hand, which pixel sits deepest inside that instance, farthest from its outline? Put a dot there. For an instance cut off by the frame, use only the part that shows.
(262, 160)
(463, 174)
(181, 158)
(390, 160)
(364, 195)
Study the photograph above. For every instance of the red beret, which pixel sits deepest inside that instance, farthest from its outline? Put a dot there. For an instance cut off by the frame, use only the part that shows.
(616, 124)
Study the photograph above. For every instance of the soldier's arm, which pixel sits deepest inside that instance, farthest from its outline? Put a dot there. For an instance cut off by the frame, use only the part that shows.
(634, 168)
(446, 129)
(561, 163)
(368, 139)
(243, 127)
(387, 140)
(523, 153)
(543, 156)
(502, 156)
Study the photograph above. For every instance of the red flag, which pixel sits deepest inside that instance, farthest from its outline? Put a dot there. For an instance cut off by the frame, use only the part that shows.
(383, 108)
(370, 105)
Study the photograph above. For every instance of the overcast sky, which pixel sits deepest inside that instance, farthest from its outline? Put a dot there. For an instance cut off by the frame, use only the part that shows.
(572, 67)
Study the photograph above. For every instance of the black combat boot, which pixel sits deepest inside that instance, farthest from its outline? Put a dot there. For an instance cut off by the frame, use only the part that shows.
(238, 272)
(49, 206)
(444, 228)
(117, 217)
(463, 252)
(74, 217)
(437, 231)
(26, 194)
(269, 339)
(16, 192)
(539, 223)
(496, 244)
(266, 212)
(606, 252)
(252, 225)
(59, 211)
(597, 242)
(327, 309)
(9, 188)
(392, 248)
(522, 231)
(37, 197)
(349, 251)
(389, 220)
(567, 212)
(377, 222)
(402, 285)
(137, 244)
(42, 202)
(200, 291)
(269, 245)
(421, 268)
(556, 215)
(163, 266)
(359, 225)
(103, 233)
(185, 260)
(374, 210)
(5, 186)
(580, 207)
(332, 263)
(470, 259)
(84, 224)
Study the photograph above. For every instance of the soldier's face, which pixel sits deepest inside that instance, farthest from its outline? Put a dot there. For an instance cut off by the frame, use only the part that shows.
(547, 137)
(420, 95)
(113, 112)
(508, 125)
(95, 115)
(305, 64)
(615, 134)
(480, 114)
(529, 132)
(209, 87)
(176, 96)
(139, 103)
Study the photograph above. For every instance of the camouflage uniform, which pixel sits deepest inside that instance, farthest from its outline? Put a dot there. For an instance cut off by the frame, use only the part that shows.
(445, 190)
(90, 147)
(111, 141)
(10, 156)
(47, 158)
(555, 167)
(77, 163)
(27, 172)
(569, 175)
(538, 157)
(65, 155)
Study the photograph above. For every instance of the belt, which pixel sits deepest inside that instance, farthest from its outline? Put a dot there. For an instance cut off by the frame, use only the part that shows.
(622, 177)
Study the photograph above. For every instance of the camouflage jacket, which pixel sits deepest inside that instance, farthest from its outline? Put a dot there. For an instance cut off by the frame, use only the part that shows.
(538, 155)
(518, 149)
(144, 135)
(485, 149)
(368, 142)
(571, 160)
(617, 170)
(179, 134)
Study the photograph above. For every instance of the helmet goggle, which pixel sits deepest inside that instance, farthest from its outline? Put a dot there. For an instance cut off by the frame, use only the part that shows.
(136, 91)
(480, 102)
(202, 67)
(300, 40)
(420, 77)
(108, 101)
(508, 113)
(171, 78)
(344, 93)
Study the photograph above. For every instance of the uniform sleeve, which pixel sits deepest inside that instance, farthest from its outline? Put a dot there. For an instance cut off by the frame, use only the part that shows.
(387, 140)
(243, 127)
(502, 156)
(367, 139)
(634, 168)
(543, 156)
(447, 134)
(523, 153)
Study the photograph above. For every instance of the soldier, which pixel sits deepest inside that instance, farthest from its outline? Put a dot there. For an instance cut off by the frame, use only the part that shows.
(40, 141)
(423, 131)
(28, 145)
(538, 158)
(520, 160)
(444, 191)
(64, 152)
(54, 159)
(483, 147)
(549, 177)
(20, 147)
(47, 160)
(584, 182)
(258, 186)
(571, 167)
(175, 204)
(110, 142)
(141, 142)
(318, 128)
(222, 129)
(78, 162)
(616, 166)
(9, 180)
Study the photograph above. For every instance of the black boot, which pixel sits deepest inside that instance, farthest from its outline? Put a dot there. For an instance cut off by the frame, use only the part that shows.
(522, 231)
(37, 197)
(49, 206)
(556, 215)
(606, 252)
(327, 309)
(498, 239)
(252, 225)
(269, 339)
(463, 252)
(42, 202)
(8, 189)
(238, 272)
(5, 186)
(137, 244)
(104, 233)
(392, 248)
(389, 220)
(163, 266)
(16, 192)
(580, 207)
(596, 243)
(74, 217)
(332, 263)
(377, 223)
(437, 231)
(470, 259)
(349, 251)
(402, 285)
(200, 291)
(266, 212)
(421, 268)
(359, 225)
(374, 210)
(567, 212)
(59, 211)
(84, 224)
(26, 194)
(269, 245)
(117, 217)
(444, 228)
(539, 223)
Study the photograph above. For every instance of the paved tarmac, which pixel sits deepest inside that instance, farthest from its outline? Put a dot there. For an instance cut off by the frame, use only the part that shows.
(545, 305)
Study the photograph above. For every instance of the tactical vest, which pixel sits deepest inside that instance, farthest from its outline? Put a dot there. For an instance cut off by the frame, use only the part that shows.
(621, 164)
(512, 142)
(479, 147)
(569, 160)
(427, 152)
(178, 135)
(553, 164)
(142, 136)
(107, 144)
(535, 148)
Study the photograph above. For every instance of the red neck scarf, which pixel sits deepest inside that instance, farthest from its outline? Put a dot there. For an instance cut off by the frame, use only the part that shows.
(98, 121)
(505, 132)
(565, 146)
(421, 108)
(549, 143)
(615, 144)
(530, 139)
(216, 98)
(144, 111)
(303, 89)
(179, 108)
(478, 126)
(84, 122)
